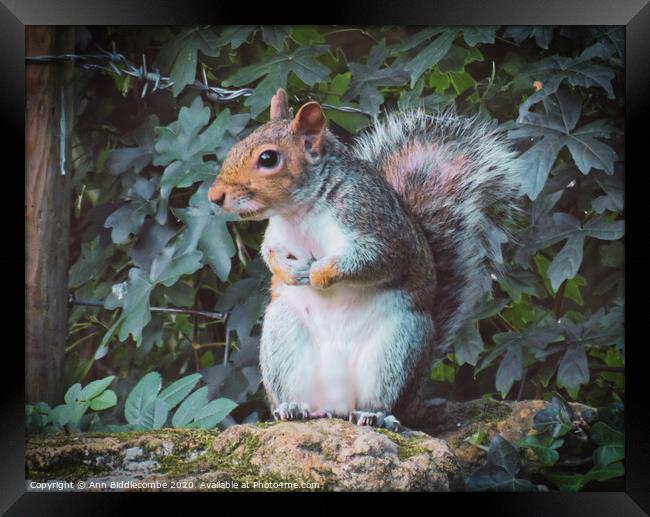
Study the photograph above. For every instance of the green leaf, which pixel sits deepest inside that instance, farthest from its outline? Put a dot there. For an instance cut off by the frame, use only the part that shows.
(104, 401)
(468, 346)
(72, 394)
(368, 77)
(206, 230)
(276, 35)
(505, 455)
(176, 392)
(510, 369)
(612, 444)
(544, 447)
(95, 388)
(128, 219)
(61, 414)
(555, 419)
(179, 55)
(603, 473)
(160, 413)
(142, 398)
(479, 34)
(567, 482)
(442, 371)
(431, 54)
(556, 130)
(275, 69)
(92, 262)
(573, 369)
(188, 410)
(566, 263)
(213, 413)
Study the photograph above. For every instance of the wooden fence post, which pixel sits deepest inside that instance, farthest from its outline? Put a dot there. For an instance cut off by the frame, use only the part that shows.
(48, 122)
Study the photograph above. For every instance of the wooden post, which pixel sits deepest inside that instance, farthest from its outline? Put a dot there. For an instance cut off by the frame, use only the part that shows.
(48, 122)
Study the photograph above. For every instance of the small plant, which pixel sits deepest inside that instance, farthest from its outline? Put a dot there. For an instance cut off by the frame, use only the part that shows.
(148, 408)
(564, 450)
(71, 415)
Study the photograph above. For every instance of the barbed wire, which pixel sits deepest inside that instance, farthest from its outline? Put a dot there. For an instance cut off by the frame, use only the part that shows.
(116, 63)
(206, 314)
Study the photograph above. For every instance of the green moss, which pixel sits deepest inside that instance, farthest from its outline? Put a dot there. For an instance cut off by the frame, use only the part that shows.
(406, 447)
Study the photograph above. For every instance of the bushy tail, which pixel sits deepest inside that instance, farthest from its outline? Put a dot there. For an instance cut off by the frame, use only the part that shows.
(461, 180)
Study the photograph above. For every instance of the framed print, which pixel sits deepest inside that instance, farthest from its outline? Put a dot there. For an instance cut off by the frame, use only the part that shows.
(369, 255)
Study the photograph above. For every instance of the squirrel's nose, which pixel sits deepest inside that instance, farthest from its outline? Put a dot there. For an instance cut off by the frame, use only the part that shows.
(217, 195)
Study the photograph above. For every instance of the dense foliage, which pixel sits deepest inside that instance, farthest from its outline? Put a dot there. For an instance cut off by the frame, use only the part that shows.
(145, 235)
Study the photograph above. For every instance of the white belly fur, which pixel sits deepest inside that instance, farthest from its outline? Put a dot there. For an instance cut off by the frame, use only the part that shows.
(349, 328)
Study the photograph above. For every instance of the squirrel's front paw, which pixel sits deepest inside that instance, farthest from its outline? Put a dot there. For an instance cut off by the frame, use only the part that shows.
(289, 269)
(291, 411)
(324, 273)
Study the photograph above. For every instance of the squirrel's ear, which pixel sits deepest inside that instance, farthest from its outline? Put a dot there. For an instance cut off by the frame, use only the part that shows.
(310, 120)
(310, 123)
(280, 105)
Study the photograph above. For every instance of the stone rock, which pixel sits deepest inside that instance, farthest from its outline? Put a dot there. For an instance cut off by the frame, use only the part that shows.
(323, 454)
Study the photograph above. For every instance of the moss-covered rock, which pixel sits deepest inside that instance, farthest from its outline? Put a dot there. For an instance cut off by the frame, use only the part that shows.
(316, 455)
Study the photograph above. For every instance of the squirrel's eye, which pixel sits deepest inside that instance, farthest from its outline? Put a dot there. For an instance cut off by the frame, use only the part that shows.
(268, 159)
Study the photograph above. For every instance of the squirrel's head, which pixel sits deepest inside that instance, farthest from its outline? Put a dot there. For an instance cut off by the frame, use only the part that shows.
(260, 173)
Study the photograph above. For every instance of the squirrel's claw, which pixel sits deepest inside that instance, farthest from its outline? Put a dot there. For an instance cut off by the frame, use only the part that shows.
(291, 411)
(375, 419)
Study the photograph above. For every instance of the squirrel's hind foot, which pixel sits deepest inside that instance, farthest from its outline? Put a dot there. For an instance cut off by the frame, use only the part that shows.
(292, 411)
(375, 419)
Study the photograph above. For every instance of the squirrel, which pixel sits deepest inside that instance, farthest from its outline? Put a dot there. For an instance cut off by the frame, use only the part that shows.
(378, 252)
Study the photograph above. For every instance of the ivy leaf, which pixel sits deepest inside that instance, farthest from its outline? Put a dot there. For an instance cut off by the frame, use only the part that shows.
(431, 54)
(544, 447)
(566, 482)
(611, 442)
(151, 241)
(503, 454)
(603, 473)
(181, 146)
(133, 295)
(275, 70)
(556, 418)
(276, 35)
(135, 158)
(566, 263)
(573, 369)
(179, 55)
(245, 300)
(367, 78)
(92, 262)
(556, 128)
(206, 230)
(510, 369)
(614, 192)
(468, 346)
(543, 35)
(235, 36)
(128, 219)
(479, 34)
(352, 122)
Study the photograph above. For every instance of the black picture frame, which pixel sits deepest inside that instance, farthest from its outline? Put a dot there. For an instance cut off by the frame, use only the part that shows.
(633, 14)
